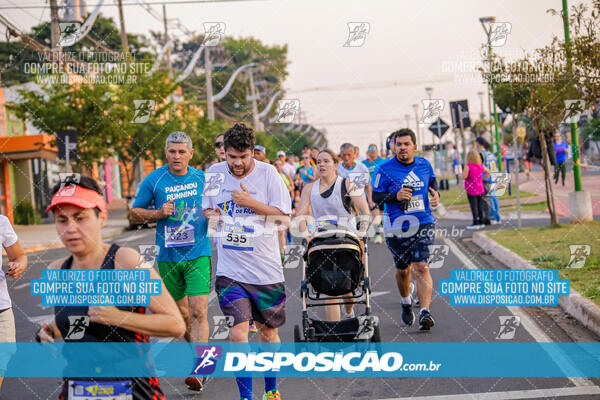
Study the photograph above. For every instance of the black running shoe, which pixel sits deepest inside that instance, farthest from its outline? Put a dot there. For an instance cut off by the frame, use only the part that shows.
(408, 316)
(425, 320)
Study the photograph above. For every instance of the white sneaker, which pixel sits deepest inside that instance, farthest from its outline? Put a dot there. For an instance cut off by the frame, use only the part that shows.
(494, 222)
(473, 226)
(348, 316)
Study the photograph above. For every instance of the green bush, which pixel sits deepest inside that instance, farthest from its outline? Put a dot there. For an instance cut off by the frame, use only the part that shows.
(25, 214)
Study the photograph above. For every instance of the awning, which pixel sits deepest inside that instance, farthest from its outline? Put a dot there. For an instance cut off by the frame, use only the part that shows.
(27, 147)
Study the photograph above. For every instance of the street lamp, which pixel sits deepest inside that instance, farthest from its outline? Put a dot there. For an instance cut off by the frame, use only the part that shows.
(210, 98)
(429, 91)
(416, 108)
(486, 23)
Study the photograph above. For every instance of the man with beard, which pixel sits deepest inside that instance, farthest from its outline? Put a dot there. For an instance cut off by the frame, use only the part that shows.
(250, 282)
(404, 184)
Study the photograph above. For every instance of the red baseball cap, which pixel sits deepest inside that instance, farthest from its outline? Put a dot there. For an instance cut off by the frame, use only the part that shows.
(77, 196)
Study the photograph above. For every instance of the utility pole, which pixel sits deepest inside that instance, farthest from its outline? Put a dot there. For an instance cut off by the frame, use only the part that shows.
(169, 65)
(210, 105)
(124, 42)
(55, 33)
(54, 28)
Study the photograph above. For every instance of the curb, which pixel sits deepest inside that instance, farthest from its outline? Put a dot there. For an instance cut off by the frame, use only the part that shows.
(32, 249)
(512, 216)
(582, 309)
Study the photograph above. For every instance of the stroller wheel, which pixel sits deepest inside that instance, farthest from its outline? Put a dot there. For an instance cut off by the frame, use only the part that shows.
(297, 334)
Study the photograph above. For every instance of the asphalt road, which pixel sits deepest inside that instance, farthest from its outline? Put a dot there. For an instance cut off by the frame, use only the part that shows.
(453, 324)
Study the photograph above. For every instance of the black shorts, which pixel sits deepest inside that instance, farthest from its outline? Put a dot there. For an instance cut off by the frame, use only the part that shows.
(407, 250)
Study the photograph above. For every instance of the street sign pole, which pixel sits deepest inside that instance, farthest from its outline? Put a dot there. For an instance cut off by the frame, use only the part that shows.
(462, 132)
(517, 168)
(67, 154)
(436, 151)
(498, 141)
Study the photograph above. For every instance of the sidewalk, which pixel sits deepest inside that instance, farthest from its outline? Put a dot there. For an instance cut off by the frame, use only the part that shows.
(590, 184)
(535, 184)
(44, 236)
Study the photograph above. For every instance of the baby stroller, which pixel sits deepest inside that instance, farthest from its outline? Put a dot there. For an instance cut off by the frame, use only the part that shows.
(334, 267)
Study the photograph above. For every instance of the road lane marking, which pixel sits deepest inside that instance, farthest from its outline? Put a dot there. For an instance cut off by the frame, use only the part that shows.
(515, 394)
(375, 294)
(21, 286)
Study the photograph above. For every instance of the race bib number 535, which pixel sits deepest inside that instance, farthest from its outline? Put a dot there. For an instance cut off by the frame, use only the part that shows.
(238, 237)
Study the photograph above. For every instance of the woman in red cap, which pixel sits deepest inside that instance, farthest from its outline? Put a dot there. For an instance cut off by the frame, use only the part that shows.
(80, 213)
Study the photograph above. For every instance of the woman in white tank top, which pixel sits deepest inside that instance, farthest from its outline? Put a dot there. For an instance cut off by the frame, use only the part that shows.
(332, 200)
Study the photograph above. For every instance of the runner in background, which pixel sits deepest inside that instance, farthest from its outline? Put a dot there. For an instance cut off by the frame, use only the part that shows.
(219, 150)
(307, 171)
(456, 160)
(284, 235)
(355, 171)
(373, 160)
(358, 157)
(288, 168)
(260, 153)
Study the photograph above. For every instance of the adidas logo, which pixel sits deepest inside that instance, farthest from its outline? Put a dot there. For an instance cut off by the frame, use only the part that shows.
(413, 180)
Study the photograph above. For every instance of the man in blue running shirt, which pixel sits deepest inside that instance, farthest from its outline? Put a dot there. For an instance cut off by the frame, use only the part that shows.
(404, 185)
(184, 252)
(373, 159)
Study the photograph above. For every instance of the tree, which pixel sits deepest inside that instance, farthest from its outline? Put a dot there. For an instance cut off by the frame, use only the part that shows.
(268, 77)
(105, 117)
(541, 82)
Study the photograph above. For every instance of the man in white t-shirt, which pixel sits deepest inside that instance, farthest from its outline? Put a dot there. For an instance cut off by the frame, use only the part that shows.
(288, 168)
(16, 266)
(357, 172)
(251, 196)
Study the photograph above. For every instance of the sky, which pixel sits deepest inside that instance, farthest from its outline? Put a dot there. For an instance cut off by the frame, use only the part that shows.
(364, 91)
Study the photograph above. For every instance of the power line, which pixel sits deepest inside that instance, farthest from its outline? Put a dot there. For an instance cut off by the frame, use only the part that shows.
(376, 85)
(132, 4)
(176, 21)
